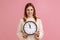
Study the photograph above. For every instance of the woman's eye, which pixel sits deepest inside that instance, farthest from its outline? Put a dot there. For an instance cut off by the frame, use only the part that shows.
(31, 9)
(27, 9)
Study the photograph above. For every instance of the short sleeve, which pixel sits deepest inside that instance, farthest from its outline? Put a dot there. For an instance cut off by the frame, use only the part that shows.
(19, 28)
(41, 31)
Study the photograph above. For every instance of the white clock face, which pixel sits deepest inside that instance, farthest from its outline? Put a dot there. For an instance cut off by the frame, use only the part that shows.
(30, 27)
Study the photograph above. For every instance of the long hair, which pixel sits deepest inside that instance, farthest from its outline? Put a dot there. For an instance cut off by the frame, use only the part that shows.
(25, 13)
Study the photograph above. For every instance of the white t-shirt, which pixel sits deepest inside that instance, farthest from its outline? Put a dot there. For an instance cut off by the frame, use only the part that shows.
(39, 27)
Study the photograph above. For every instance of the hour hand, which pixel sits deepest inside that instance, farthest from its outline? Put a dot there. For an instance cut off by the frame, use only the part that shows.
(29, 26)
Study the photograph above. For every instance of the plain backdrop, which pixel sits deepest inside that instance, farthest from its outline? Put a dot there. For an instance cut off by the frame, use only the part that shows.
(11, 11)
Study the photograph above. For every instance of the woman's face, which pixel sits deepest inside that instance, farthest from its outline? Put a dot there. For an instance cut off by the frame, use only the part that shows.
(30, 11)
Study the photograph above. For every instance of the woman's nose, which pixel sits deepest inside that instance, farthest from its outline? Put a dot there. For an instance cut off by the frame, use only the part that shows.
(29, 11)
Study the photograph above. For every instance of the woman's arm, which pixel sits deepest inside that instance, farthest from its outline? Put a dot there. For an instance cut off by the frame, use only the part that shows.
(41, 29)
(19, 33)
(40, 33)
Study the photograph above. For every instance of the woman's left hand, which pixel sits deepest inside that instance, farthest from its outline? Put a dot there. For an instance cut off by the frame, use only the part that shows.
(36, 35)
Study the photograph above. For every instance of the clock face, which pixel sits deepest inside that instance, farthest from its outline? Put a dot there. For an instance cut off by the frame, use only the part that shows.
(30, 27)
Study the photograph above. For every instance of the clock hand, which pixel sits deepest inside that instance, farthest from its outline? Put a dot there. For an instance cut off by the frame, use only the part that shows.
(29, 25)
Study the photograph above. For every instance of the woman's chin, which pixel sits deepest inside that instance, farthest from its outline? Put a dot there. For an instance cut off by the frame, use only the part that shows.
(30, 16)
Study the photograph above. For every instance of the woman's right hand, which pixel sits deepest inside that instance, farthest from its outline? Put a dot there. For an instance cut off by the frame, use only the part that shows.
(24, 35)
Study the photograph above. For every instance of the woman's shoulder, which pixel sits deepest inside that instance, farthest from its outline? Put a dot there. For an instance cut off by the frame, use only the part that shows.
(21, 19)
(39, 19)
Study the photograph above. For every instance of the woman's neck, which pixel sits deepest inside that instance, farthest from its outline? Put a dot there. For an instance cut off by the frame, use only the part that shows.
(30, 17)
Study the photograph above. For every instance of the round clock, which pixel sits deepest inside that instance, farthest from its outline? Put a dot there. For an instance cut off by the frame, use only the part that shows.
(30, 27)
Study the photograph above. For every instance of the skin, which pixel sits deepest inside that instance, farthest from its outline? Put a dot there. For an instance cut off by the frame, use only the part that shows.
(30, 11)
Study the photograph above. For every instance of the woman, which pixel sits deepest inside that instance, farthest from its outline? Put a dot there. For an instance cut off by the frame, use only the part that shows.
(30, 15)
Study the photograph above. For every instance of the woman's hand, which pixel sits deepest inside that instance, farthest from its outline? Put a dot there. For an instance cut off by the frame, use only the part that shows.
(36, 35)
(24, 35)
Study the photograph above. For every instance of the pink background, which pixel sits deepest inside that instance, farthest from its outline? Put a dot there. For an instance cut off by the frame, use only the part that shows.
(12, 10)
